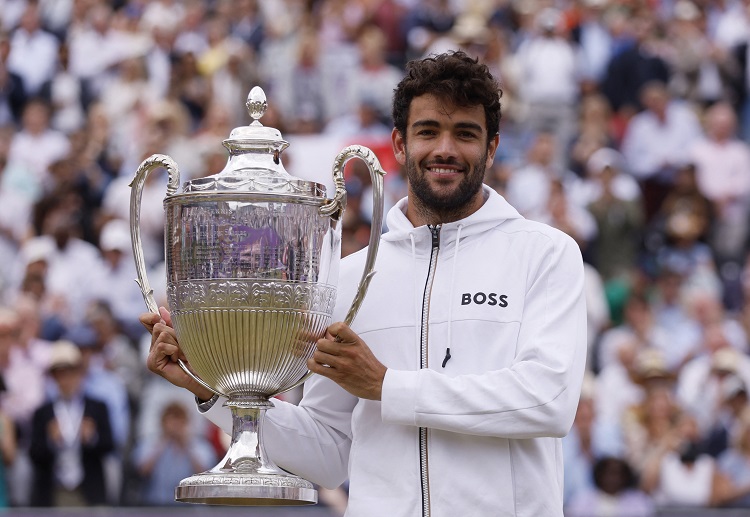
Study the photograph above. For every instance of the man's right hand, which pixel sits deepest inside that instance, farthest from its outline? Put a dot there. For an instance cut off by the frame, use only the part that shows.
(165, 351)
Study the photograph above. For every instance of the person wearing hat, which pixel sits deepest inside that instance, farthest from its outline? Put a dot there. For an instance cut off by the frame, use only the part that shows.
(70, 436)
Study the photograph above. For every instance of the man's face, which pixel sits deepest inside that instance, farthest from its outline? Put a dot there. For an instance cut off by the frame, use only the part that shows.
(445, 153)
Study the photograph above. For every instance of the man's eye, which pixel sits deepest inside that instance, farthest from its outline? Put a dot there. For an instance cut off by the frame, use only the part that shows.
(467, 135)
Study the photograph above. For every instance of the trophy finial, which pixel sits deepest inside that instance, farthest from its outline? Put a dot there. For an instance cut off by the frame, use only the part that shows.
(256, 104)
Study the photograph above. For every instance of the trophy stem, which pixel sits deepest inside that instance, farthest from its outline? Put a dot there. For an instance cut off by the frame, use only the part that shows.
(246, 475)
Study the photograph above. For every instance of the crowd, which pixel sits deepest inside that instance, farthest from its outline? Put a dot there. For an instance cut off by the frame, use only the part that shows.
(626, 124)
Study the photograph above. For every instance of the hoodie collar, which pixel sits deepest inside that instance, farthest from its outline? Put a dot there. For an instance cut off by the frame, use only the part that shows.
(494, 211)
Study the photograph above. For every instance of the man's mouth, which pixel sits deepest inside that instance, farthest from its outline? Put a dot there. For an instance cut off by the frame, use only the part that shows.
(442, 169)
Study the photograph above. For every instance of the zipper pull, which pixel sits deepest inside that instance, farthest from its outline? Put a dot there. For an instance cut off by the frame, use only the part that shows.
(447, 356)
(435, 230)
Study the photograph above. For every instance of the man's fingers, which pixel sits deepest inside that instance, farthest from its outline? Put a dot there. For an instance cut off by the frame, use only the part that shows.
(341, 333)
(165, 315)
(149, 319)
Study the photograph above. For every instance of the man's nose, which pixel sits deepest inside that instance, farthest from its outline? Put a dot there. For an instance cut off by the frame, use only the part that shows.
(446, 146)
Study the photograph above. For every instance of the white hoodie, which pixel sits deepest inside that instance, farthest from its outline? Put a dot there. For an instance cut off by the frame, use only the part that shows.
(478, 434)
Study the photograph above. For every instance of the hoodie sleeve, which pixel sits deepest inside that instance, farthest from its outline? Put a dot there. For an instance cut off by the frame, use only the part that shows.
(535, 396)
(311, 440)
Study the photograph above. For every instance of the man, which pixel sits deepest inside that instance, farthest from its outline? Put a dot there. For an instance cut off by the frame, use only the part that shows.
(450, 392)
(70, 435)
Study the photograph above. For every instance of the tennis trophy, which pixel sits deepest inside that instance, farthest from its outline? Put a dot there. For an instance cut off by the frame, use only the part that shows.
(252, 257)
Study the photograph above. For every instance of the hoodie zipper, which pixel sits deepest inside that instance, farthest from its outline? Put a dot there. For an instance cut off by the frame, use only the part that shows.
(423, 363)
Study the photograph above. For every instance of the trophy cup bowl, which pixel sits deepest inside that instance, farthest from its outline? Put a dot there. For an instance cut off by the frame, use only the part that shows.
(252, 257)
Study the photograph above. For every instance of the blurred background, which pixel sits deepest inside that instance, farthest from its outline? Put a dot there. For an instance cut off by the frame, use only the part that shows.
(625, 124)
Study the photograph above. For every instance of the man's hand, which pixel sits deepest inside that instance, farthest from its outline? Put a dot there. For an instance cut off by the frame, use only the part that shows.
(347, 360)
(165, 351)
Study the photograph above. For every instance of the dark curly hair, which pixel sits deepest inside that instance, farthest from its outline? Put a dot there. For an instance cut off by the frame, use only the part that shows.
(453, 77)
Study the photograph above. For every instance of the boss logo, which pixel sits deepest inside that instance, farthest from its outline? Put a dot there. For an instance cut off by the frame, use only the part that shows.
(500, 300)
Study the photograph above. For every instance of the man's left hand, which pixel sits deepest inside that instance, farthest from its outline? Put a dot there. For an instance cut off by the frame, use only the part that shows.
(344, 358)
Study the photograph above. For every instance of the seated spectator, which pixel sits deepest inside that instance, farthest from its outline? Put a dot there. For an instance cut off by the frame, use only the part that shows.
(175, 453)
(700, 382)
(590, 438)
(615, 493)
(8, 450)
(650, 427)
(735, 462)
(734, 403)
(678, 474)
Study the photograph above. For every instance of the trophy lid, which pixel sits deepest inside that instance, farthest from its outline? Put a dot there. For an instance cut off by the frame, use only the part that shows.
(254, 163)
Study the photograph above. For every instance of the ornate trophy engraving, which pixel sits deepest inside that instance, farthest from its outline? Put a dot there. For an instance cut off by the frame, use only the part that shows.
(252, 258)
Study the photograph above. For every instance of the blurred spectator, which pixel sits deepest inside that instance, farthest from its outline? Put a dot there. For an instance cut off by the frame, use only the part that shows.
(374, 78)
(65, 92)
(594, 38)
(549, 72)
(637, 63)
(307, 108)
(99, 383)
(616, 209)
(594, 131)
(700, 383)
(728, 424)
(12, 93)
(722, 167)
(671, 313)
(117, 287)
(655, 142)
(616, 493)
(36, 146)
(72, 262)
(650, 428)
(679, 475)
(117, 353)
(164, 459)
(700, 69)
(8, 451)
(735, 462)
(70, 436)
(365, 122)
(95, 46)
(562, 213)
(589, 439)
(127, 89)
(639, 328)
(33, 52)
(529, 186)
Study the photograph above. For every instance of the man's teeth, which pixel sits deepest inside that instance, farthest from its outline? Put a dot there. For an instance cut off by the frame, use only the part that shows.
(442, 171)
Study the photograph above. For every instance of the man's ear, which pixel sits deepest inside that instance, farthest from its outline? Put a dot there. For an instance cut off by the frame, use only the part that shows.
(492, 149)
(399, 146)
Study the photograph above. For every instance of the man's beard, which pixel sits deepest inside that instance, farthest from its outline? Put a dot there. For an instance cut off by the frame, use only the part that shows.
(446, 207)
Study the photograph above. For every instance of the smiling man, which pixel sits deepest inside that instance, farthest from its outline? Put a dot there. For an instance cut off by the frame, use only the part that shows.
(450, 392)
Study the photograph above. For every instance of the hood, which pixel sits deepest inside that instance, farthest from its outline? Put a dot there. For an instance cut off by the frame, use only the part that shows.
(493, 212)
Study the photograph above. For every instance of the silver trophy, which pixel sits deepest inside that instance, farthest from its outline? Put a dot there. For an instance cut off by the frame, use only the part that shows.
(252, 256)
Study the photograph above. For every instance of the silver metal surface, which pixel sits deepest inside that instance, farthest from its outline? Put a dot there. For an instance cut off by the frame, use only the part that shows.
(252, 257)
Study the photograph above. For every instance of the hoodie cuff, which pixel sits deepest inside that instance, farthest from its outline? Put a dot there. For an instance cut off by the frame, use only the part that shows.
(399, 397)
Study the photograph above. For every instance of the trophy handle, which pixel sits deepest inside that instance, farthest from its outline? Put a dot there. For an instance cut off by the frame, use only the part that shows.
(335, 208)
(148, 165)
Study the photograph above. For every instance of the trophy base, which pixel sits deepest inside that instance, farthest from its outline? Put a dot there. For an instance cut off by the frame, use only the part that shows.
(246, 489)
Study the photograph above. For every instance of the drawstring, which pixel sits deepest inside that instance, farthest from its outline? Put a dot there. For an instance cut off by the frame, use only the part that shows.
(450, 296)
(417, 306)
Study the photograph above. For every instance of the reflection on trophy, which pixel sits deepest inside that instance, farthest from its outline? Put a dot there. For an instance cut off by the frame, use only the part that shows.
(252, 258)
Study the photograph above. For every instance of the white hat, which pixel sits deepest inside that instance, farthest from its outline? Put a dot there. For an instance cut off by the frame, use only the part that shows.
(64, 354)
(36, 250)
(603, 158)
(115, 236)
(732, 386)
